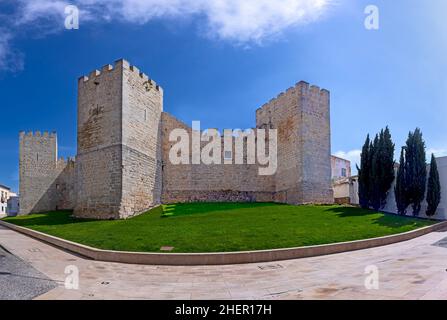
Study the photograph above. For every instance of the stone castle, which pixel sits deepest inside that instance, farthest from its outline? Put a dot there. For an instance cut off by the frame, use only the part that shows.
(122, 167)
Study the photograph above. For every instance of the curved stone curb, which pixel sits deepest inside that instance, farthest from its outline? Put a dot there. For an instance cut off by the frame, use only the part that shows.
(191, 259)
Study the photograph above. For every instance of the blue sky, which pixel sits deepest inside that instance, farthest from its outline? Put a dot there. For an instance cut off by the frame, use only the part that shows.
(219, 61)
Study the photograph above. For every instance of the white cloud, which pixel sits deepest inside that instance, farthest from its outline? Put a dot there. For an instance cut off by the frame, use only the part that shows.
(256, 20)
(237, 21)
(4, 46)
(353, 156)
(31, 11)
(234, 20)
(10, 59)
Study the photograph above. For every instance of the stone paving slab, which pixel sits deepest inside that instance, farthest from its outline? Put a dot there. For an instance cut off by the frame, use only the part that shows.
(414, 269)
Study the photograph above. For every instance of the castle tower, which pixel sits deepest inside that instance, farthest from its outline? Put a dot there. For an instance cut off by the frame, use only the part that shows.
(118, 165)
(37, 171)
(302, 117)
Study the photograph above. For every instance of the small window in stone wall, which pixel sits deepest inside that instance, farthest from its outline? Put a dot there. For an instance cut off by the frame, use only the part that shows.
(343, 172)
(228, 155)
(145, 114)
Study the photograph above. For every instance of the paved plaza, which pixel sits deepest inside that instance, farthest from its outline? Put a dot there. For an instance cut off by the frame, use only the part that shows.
(19, 280)
(415, 269)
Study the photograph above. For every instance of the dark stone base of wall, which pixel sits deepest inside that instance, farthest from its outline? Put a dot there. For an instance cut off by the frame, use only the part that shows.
(343, 200)
(106, 213)
(293, 197)
(169, 197)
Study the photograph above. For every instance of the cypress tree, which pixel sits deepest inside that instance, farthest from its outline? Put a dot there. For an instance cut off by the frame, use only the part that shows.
(400, 190)
(416, 170)
(433, 189)
(364, 174)
(376, 173)
(387, 164)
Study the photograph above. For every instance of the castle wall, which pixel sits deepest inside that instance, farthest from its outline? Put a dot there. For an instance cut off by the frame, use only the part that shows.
(46, 182)
(210, 183)
(301, 117)
(66, 184)
(122, 166)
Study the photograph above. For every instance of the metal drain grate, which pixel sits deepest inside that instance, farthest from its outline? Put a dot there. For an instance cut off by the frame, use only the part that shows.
(271, 267)
(442, 243)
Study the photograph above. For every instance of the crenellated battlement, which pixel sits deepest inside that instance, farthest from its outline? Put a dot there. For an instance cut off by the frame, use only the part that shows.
(302, 87)
(105, 69)
(63, 162)
(120, 65)
(37, 134)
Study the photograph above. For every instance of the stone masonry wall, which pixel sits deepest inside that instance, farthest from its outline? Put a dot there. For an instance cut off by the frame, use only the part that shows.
(315, 145)
(46, 182)
(122, 165)
(141, 121)
(301, 116)
(210, 183)
(99, 161)
(282, 113)
(119, 160)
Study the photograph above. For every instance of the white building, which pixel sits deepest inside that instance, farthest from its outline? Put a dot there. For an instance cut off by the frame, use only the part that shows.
(342, 182)
(346, 191)
(341, 168)
(13, 206)
(5, 194)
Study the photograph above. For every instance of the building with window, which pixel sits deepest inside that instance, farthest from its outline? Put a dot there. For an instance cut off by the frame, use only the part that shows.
(341, 168)
(5, 194)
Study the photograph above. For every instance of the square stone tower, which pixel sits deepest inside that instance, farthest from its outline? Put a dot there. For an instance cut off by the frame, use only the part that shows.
(37, 169)
(302, 117)
(46, 181)
(118, 167)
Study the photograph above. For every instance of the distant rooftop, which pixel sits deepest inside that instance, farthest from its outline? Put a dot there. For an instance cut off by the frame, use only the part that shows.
(335, 157)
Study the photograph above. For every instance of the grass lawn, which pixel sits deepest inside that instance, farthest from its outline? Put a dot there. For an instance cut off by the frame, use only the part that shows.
(222, 227)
